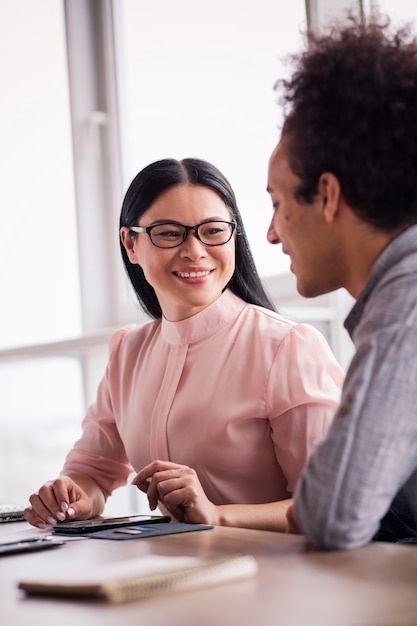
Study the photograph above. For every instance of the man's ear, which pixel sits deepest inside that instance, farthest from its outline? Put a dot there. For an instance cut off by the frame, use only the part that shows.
(330, 193)
(129, 244)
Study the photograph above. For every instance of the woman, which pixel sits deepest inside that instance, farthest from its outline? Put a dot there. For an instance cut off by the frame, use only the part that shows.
(217, 402)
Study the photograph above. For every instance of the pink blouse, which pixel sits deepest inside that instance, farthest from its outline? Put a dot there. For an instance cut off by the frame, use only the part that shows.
(237, 392)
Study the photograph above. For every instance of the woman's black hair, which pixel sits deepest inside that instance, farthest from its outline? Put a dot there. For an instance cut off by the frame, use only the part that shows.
(148, 185)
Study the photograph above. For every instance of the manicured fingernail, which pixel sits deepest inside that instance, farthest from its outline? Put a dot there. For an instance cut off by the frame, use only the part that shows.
(41, 525)
(71, 512)
(51, 520)
(64, 507)
(61, 516)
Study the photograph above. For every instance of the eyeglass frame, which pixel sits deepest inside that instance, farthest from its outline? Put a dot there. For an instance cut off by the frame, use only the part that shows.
(148, 230)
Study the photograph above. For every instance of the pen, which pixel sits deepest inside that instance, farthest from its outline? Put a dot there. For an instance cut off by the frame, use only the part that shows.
(27, 540)
(29, 544)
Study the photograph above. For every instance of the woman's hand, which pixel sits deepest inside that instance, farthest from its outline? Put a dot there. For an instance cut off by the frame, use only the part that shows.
(58, 500)
(178, 488)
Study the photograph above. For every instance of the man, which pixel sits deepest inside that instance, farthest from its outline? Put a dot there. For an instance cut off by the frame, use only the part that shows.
(343, 183)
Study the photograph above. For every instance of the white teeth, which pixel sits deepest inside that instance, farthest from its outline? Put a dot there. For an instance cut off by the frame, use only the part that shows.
(192, 274)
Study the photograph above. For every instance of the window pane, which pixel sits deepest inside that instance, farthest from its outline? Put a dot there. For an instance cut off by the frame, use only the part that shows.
(199, 82)
(39, 277)
(41, 401)
(398, 10)
(40, 416)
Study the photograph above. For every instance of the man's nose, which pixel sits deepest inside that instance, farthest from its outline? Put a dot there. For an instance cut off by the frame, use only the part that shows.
(271, 235)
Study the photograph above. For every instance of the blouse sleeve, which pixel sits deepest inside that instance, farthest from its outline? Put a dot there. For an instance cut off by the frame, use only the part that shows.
(303, 394)
(100, 453)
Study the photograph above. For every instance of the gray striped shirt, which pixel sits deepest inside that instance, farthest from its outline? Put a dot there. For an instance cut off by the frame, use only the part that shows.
(360, 483)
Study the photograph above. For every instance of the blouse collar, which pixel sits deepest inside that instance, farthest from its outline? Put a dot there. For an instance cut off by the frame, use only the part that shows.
(222, 311)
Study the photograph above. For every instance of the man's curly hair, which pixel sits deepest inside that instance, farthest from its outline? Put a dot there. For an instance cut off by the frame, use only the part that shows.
(351, 109)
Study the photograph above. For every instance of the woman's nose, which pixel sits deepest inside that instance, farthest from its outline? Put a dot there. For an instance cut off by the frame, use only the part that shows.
(192, 247)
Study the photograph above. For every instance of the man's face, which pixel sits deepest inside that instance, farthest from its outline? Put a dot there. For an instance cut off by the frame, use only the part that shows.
(301, 229)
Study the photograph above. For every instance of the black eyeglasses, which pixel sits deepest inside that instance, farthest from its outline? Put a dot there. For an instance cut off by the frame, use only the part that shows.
(172, 234)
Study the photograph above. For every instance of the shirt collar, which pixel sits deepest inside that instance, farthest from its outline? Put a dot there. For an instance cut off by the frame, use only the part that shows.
(203, 324)
(396, 250)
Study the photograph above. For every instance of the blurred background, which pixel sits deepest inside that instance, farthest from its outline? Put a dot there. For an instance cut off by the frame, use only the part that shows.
(92, 91)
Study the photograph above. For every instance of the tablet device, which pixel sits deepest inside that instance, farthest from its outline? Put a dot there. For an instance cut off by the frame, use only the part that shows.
(150, 530)
(82, 527)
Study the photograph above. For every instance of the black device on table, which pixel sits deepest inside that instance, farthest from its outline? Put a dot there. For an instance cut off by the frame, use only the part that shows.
(80, 527)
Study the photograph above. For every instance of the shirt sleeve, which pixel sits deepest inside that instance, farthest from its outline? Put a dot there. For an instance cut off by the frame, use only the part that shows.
(100, 453)
(370, 451)
(303, 394)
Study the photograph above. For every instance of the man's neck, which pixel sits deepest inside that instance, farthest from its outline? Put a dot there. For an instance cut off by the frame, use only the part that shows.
(363, 246)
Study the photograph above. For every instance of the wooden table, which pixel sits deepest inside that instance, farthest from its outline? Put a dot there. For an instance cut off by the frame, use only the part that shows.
(296, 586)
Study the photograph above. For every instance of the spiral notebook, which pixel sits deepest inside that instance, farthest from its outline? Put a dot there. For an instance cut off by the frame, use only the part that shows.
(144, 577)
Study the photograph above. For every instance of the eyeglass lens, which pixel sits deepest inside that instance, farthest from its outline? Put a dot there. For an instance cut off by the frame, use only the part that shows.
(209, 233)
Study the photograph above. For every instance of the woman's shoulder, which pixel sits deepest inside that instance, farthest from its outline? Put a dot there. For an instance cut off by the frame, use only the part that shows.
(295, 343)
(130, 334)
(262, 316)
(280, 326)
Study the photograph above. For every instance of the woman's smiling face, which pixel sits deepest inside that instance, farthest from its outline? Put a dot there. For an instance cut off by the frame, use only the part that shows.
(188, 278)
